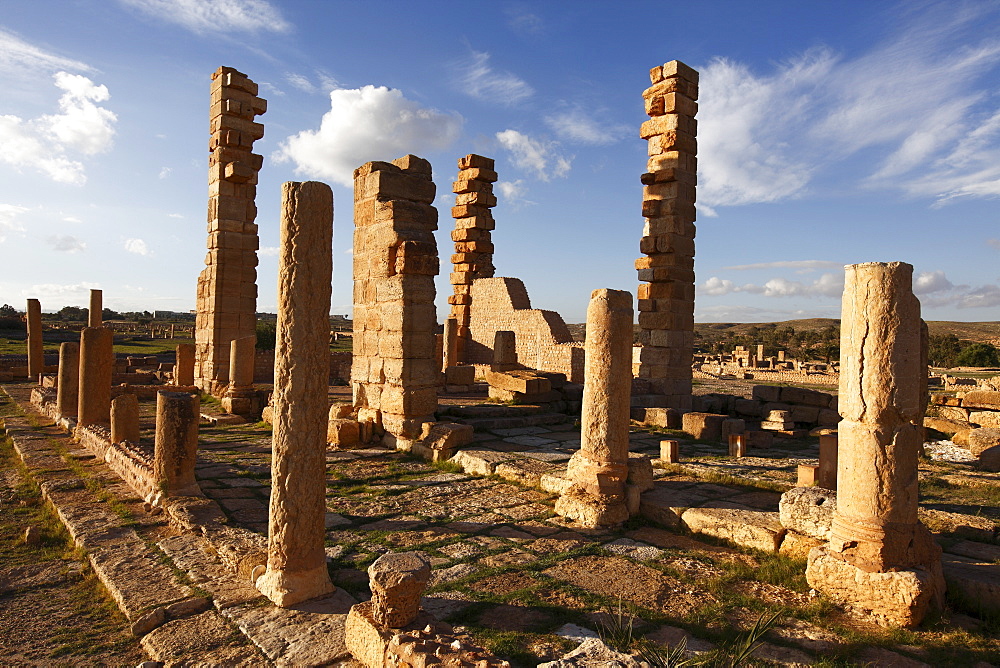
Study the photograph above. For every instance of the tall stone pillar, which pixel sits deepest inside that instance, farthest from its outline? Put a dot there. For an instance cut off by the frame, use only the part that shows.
(184, 365)
(68, 387)
(450, 347)
(666, 291)
(95, 314)
(504, 351)
(599, 470)
(175, 448)
(880, 560)
(36, 353)
(296, 560)
(125, 418)
(97, 362)
(395, 371)
(227, 287)
(473, 256)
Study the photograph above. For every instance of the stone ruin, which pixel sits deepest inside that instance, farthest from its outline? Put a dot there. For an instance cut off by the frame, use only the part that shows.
(866, 548)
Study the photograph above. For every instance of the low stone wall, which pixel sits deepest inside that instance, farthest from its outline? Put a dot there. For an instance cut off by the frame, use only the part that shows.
(809, 408)
(542, 338)
(132, 462)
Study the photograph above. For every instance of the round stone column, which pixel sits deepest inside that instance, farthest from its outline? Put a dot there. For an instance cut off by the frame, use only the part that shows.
(296, 560)
(175, 449)
(95, 314)
(97, 360)
(68, 387)
(36, 355)
(184, 365)
(125, 419)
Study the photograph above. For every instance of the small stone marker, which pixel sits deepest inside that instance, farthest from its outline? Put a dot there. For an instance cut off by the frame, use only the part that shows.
(36, 358)
(737, 445)
(68, 386)
(125, 419)
(670, 451)
(397, 581)
(807, 475)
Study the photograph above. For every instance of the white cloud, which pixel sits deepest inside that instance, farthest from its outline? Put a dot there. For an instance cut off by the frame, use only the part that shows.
(512, 192)
(534, 154)
(8, 220)
(175, 215)
(827, 285)
(268, 251)
(305, 84)
(71, 219)
(44, 291)
(208, 16)
(478, 79)
(521, 20)
(575, 124)
(136, 246)
(927, 282)
(363, 124)
(20, 58)
(81, 125)
(165, 172)
(800, 265)
(65, 243)
(763, 137)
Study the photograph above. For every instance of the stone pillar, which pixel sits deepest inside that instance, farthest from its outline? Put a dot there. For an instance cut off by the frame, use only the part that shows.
(666, 272)
(184, 365)
(175, 449)
(95, 314)
(241, 362)
(68, 387)
(880, 559)
(827, 474)
(473, 256)
(296, 560)
(450, 342)
(397, 581)
(227, 287)
(125, 418)
(36, 353)
(97, 362)
(504, 351)
(395, 371)
(599, 470)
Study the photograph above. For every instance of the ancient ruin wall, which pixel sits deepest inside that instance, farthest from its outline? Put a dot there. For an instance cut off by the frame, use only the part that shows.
(227, 287)
(395, 371)
(543, 340)
(666, 272)
(473, 256)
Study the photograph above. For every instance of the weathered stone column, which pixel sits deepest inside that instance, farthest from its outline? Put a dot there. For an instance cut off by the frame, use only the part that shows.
(175, 449)
(600, 468)
(36, 355)
(125, 418)
(450, 342)
(97, 361)
(880, 559)
(184, 365)
(504, 351)
(296, 560)
(241, 362)
(95, 314)
(68, 388)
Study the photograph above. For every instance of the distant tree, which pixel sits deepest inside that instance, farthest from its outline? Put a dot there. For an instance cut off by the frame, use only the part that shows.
(108, 314)
(943, 350)
(978, 354)
(72, 314)
(266, 335)
(8, 311)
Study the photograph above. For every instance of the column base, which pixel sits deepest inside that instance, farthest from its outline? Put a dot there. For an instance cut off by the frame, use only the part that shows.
(286, 588)
(592, 510)
(895, 598)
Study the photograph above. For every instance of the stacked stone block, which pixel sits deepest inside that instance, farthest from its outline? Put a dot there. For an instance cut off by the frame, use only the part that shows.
(227, 287)
(395, 371)
(666, 272)
(473, 256)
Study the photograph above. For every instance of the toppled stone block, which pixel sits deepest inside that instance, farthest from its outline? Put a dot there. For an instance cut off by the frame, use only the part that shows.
(808, 511)
(797, 546)
(987, 399)
(518, 380)
(440, 441)
(976, 583)
(749, 528)
(984, 443)
(460, 375)
(480, 462)
(397, 582)
(343, 433)
(666, 418)
(703, 426)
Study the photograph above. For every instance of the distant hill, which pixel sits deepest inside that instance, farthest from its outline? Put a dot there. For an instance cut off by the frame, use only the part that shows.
(980, 332)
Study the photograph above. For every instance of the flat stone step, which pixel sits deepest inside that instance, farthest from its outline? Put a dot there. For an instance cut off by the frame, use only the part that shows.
(514, 422)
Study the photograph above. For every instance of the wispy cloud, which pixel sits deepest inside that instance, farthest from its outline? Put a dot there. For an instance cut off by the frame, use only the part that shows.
(536, 155)
(915, 102)
(739, 313)
(214, 16)
(513, 192)
(165, 172)
(136, 247)
(576, 124)
(523, 21)
(827, 285)
(21, 58)
(8, 220)
(324, 84)
(800, 265)
(45, 291)
(81, 125)
(65, 243)
(363, 124)
(268, 251)
(478, 79)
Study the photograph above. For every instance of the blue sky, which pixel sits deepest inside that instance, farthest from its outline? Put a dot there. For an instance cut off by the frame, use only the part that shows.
(830, 133)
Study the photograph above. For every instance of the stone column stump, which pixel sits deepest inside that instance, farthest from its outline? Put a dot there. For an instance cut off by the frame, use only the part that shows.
(125, 419)
(68, 387)
(184, 365)
(97, 361)
(36, 356)
(175, 449)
